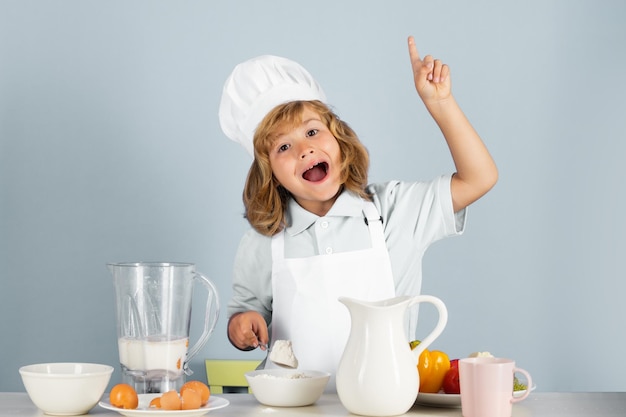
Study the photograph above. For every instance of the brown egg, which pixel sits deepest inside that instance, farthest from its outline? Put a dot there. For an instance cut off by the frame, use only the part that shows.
(200, 387)
(156, 402)
(124, 396)
(191, 400)
(170, 401)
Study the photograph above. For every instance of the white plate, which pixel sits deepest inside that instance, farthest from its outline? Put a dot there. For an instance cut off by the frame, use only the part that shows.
(143, 409)
(450, 400)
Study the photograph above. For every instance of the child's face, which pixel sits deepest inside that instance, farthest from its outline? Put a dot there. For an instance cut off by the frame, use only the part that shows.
(306, 161)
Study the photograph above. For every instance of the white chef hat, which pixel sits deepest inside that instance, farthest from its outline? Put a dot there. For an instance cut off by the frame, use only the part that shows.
(257, 86)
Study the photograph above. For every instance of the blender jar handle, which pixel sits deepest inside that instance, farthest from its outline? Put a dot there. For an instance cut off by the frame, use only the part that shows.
(212, 313)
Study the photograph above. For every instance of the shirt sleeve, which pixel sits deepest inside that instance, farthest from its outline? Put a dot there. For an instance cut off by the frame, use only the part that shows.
(415, 215)
(252, 276)
(424, 209)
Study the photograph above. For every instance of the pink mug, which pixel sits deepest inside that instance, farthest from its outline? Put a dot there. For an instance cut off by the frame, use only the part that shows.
(487, 386)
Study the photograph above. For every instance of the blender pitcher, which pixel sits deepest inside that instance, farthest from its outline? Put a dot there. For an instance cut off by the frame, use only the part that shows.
(153, 302)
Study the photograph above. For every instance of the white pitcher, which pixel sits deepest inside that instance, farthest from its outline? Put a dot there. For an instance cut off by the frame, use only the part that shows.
(377, 374)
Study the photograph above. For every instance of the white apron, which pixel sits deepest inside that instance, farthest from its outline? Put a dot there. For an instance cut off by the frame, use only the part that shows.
(305, 290)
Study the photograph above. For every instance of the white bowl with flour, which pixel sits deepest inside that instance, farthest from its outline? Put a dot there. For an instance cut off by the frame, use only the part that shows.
(287, 387)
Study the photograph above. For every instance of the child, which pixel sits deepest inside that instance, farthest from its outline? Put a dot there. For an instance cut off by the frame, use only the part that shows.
(319, 231)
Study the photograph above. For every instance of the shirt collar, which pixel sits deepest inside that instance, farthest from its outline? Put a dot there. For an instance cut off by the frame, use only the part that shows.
(347, 204)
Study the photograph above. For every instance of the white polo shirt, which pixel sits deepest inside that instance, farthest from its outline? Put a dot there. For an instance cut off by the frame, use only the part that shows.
(415, 214)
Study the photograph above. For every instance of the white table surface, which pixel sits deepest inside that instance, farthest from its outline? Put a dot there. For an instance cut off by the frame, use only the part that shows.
(543, 404)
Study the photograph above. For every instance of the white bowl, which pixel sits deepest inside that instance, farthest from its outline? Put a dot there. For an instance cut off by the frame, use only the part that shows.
(65, 389)
(287, 387)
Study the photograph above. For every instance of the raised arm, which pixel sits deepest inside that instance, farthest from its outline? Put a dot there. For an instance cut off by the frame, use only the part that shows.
(476, 172)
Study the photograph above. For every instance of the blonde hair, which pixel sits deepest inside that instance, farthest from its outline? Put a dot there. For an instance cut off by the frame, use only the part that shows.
(265, 200)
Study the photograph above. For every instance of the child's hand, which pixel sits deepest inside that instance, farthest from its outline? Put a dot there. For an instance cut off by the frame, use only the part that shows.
(431, 76)
(248, 329)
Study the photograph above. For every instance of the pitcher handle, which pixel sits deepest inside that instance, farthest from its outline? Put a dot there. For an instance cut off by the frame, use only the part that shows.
(441, 323)
(211, 315)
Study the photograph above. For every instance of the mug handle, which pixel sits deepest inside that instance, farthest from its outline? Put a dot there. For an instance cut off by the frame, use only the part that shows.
(529, 381)
(441, 323)
(212, 313)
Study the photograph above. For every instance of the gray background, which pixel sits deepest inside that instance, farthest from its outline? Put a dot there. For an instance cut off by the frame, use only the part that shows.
(110, 150)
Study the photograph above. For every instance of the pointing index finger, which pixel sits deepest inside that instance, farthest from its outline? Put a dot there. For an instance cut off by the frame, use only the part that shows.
(415, 56)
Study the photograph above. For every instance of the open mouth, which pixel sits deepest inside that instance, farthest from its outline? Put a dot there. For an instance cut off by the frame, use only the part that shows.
(316, 173)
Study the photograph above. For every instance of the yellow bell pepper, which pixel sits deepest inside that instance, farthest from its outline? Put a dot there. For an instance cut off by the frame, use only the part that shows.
(432, 367)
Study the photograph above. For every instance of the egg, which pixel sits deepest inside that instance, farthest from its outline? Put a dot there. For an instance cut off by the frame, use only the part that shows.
(124, 396)
(198, 387)
(171, 401)
(190, 400)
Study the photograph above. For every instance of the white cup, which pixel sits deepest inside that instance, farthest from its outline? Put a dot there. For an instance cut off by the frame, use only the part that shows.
(487, 386)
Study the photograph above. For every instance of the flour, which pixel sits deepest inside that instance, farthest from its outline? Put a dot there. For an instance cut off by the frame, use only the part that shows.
(282, 354)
